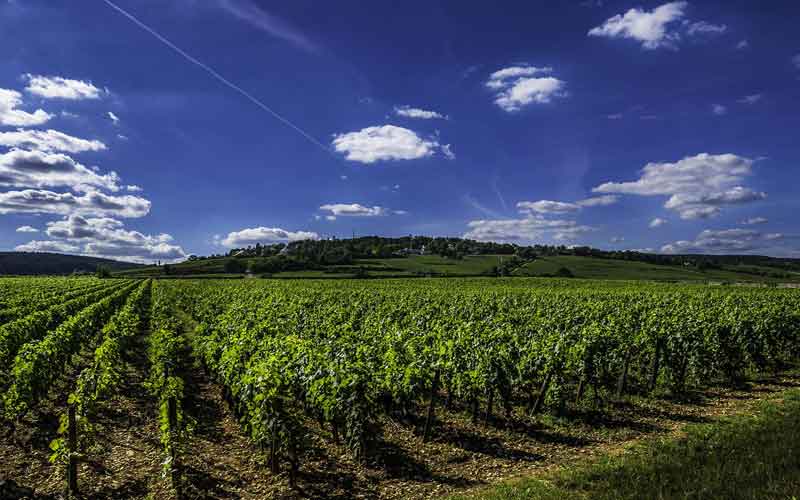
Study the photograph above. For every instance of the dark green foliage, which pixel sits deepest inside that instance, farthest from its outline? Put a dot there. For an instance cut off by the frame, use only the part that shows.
(25, 263)
(275, 264)
(347, 352)
(39, 362)
(234, 266)
(507, 266)
(103, 271)
(342, 252)
(564, 272)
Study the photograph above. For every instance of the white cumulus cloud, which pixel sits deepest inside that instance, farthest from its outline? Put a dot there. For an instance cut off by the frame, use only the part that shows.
(27, 229)
(10, 115)
(525, 229)
(48, 246)
(105, 237)
(37, 201)
(542, 220)
(267, 235)
(598, 201)
(37, 169)
(57, 87)
(654, 29)
(519, 86)
(384, 143)
(663, 27)
(49, 141)
(658, 222)
(561, 207)
(548, 207)
(697, 186)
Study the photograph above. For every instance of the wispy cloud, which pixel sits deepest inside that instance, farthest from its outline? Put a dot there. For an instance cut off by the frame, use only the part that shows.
(211, 71)
(421, 114)
(750, 99)
(472, 202)
(499, 194)
(248, 11)
(725, 241)
(358, 210)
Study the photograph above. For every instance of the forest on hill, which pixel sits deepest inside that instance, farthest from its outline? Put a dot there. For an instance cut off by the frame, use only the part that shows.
(29, 263)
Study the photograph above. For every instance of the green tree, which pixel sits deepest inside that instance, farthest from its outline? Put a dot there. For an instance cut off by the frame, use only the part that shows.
(234, 266)
(103, 271)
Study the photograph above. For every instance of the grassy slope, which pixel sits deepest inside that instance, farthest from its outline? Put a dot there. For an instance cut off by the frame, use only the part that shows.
(581, 267)
(410, 266)
(592, 268)
(745, 457)
(468, 266)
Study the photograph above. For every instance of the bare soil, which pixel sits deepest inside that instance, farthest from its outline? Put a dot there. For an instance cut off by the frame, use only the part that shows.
(219, 461)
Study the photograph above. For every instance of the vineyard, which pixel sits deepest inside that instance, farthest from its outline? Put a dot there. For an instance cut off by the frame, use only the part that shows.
(380, 388)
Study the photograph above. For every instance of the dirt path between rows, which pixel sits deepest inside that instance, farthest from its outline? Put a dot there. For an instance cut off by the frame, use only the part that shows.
(220, 462)
(123, 459)
(219, 459)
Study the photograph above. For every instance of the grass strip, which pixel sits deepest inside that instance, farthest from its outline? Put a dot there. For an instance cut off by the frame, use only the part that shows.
(742, 457)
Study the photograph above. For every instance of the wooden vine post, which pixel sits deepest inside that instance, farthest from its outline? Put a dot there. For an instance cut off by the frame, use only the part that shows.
(172, 422)
(579, 391)
(655, 367)
(72, 443)
(172, 416)
(431, 408)
(294, 461)
(273, 446)
(537, 406)
(489, 406)
(623, 377)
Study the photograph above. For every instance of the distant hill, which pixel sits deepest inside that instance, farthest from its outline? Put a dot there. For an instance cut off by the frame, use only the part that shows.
(380, 257)
(29, 263)
(732, 270)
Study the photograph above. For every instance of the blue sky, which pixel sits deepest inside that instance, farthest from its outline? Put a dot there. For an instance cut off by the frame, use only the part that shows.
(151, 129)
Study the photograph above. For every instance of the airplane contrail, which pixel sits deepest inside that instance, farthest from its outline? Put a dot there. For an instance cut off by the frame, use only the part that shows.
(216, 75)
